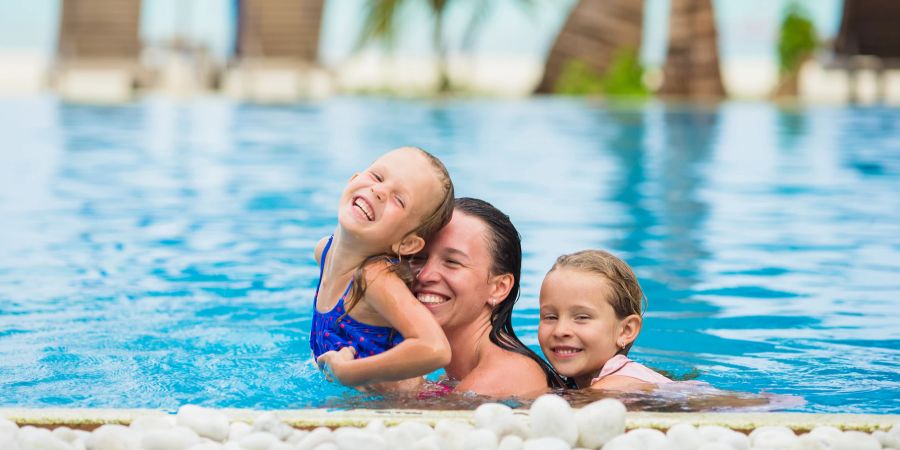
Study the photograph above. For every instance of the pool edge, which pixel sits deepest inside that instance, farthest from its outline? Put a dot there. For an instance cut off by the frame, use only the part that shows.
(311, 418)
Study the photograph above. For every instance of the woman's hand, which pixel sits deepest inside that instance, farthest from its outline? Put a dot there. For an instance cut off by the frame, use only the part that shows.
(332, 363)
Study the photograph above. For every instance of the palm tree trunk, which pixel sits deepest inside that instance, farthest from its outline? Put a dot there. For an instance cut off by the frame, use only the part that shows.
(440, 50)
(281, 29)
(593, 33)
(692, 60)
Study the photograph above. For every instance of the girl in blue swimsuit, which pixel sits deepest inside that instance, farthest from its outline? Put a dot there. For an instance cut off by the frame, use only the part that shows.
(368, 328)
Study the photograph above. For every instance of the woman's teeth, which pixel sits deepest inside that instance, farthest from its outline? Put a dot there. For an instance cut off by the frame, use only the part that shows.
(364, 207)
(431, 299)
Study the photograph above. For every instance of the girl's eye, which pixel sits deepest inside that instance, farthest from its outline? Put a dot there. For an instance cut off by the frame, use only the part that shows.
(377, 177)
(582, 317)
(548, 317)
(401, 202)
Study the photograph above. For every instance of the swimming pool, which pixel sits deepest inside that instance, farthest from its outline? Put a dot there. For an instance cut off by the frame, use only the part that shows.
(159, 254)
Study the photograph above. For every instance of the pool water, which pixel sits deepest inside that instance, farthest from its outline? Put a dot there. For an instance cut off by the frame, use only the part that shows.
(160, 253)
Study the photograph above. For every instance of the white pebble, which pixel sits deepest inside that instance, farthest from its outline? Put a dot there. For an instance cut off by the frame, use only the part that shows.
(205, 422)
(498, 418)
(315, 438)
(685, 436)
(737, 441)
(112, 437)
(33, 438)
(349, 438)
(237, 430)
(641, 438)
(511, 442)
(152, 422)
(7, 426)
(480, 439)
(712, 433)
(66, 434)
(452, 432)
(432, 442)
(773, 437)
(546, 443)
(551, 416)
(281, 446)
(270, 423)
(258, 440)
(829, 434)
(599, 422)
(886, 439)
(856, 440)
(327, 446)
(208, 445)
(376, 426)
(406, 434)
(296, 437)
(178, 438)
(715, 446)
(809, 441)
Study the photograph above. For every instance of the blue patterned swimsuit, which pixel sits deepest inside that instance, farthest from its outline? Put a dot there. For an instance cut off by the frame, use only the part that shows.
(331, 332)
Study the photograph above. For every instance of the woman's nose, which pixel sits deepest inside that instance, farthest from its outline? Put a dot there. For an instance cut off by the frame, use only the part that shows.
(425, 272)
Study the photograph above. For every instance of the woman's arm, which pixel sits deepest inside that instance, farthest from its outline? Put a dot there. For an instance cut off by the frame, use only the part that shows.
(424, 347)
(622, 383)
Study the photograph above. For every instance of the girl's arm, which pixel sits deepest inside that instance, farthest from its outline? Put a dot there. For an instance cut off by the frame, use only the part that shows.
(424, 347)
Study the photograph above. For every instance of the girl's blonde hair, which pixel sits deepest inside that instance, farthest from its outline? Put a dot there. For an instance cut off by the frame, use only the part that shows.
(430, 225)
(625, 294)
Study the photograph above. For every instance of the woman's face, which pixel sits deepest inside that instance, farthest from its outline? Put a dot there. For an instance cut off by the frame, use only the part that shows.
(454, 279)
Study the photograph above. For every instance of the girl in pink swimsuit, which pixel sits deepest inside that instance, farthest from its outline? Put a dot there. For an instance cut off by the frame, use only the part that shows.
(591, 313)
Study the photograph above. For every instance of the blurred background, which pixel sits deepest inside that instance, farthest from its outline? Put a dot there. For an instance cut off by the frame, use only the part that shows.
(168, 165)
(287, 50)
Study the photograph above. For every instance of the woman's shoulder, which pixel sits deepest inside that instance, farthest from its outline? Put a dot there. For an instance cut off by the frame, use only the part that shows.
(504, 373)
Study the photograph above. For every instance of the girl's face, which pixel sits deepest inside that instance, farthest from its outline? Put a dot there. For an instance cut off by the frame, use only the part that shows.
(578, 329)
(382, 204)
(454, 279)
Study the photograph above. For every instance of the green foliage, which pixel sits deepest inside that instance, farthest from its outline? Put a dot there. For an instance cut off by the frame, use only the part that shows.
(578, 78)
(797, 40)
(623, 79)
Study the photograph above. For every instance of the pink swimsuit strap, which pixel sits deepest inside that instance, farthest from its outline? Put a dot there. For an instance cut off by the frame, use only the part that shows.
(621, 365)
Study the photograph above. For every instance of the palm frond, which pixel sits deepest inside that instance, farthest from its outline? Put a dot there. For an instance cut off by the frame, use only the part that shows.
(380, 22)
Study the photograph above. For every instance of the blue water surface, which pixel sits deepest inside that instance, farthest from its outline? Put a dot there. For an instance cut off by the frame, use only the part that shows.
(160, 253)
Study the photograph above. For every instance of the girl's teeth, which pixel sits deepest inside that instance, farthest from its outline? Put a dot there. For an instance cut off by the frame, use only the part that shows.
(359, 203)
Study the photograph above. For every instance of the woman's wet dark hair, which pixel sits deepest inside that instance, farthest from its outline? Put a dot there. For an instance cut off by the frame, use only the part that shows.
(506, 255)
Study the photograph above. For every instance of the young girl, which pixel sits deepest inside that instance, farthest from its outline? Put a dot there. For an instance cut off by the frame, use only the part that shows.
(367, 326)
(591, 306)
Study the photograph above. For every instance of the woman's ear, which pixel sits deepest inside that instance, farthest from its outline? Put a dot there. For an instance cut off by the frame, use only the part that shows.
(410, 245)
(501, 285)
(629, 328)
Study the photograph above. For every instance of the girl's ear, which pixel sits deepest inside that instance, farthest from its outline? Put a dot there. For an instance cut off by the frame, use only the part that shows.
(629, 328)
(501, 285)
(409, 245)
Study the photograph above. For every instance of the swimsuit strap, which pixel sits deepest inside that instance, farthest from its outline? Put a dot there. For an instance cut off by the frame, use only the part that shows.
(322, 263)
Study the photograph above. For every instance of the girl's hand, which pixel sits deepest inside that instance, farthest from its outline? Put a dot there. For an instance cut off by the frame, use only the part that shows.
(332, 362)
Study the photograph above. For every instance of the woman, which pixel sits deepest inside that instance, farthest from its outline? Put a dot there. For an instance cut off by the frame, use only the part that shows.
(468, 276)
